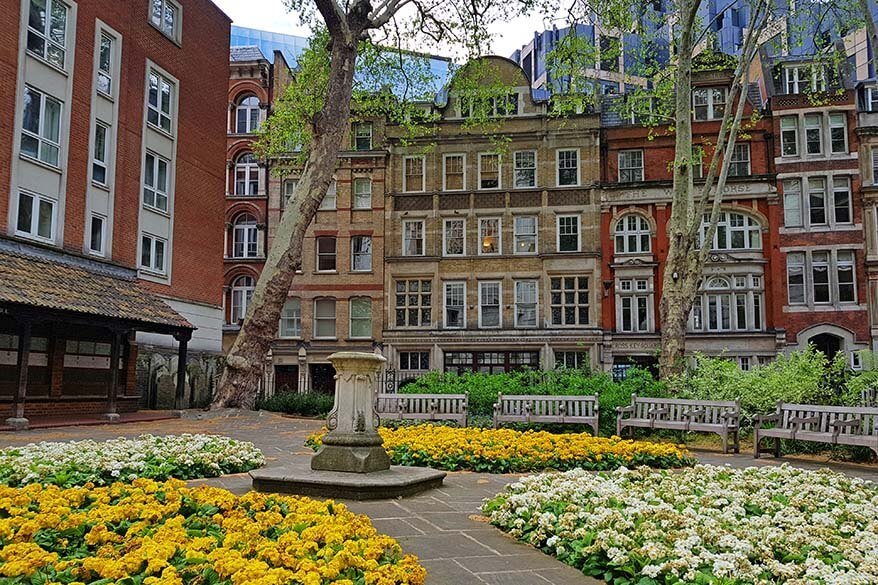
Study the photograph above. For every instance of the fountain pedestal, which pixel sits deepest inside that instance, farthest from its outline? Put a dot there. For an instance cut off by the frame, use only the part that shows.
(352, 462)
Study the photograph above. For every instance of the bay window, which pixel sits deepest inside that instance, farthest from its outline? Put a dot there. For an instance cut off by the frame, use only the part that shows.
(729, 303)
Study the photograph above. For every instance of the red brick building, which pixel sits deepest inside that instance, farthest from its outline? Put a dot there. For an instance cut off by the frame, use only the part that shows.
(111, 215)
(731, 312)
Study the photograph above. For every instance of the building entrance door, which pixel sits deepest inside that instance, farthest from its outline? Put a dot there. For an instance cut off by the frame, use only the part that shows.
(322, 378)
(828, 343)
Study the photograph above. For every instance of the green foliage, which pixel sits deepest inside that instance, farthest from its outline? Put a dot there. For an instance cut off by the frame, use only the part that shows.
(484, 388)
(302, 404)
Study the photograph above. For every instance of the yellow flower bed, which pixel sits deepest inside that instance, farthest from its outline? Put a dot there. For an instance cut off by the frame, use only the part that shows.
(167, 534)
(509, 451)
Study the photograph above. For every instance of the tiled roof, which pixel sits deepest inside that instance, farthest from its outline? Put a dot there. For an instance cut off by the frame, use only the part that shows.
(48, 283)
(250, 53)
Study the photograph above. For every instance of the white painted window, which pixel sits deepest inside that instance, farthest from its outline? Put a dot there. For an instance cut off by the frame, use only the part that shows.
(159, 97)
(568, 233)
(820, 285)
(792, 203)
(845, 280)
(363, 136)
(526, 303)
(242, 294)
(246, 175)
(99, 153)
(841, 200)
(326, 253)
(291, 319)
(489, 236)
(362, 193)
(414, 303)
(630, 166)
(47, 31)
(634, 306)
(165, 15)
(361, 318)
(41, 126)
(413, 237)
(289, 189)
(105, 64)
(413, 174)
(525, 169)
(568, 167)
(155, 182)
(361, 253)
(489, 170)
(728, 304)
(455, 305)
(490, 297)
(36, 217)
(789, 135)
(709, 103)
(454, 236)
(734, 231)
(814, 133)
(633, 235)
(525, 233)
(330, 200)
(152, 253)
(245, 237)
(247, 114)
(97, 235)
(796, 278)
(453, 172)
(817, 212)
(838, 134)
(324, 318)
(740, 163)
(803, 78)
(569, 300)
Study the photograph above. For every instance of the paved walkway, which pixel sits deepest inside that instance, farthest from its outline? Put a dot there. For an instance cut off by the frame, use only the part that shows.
(443, 527)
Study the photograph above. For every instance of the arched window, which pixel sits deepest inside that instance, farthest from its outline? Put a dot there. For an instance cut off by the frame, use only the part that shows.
(242, 293)
(245, 237)
(247, 115)
(246, 175)
(729, 303)
(632, 234)
(734, 231)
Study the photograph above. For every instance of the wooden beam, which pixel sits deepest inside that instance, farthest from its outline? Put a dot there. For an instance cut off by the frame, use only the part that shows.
(112, 384)
(17, 420)
(183, 337)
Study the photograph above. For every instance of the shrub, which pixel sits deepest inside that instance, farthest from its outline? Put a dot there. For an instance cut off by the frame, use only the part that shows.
(302, 404)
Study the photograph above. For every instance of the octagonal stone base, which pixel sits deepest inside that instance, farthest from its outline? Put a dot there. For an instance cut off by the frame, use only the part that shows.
(301, 480)
(360, 459)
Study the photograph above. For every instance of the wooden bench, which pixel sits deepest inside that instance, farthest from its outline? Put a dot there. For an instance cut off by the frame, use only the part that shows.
(836, 425)
(526, 408)
(432, 407)
(678, 414)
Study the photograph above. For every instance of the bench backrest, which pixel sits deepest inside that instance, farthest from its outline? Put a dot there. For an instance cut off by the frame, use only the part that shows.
(867, 416)
(679, 408)
(539, 405)
(422, 403)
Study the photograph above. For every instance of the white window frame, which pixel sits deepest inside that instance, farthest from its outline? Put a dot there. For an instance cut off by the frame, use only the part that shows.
(484, 284)
(296, 321)
(740, 147)
(516, 167)
(814, 122)
(330, 199)
(445, 223)
(355, 255)
(803, 264)
(318, 255)
(445, 286)
(104, 84)
(519, 286)
(499, 245)
(45, 36)
(318, 318)
(631, 169)
(825, 196)
(558, 233)
(629, 289)
(159, 192)
(163, 109)
(33, 230)
(835, 126)
(576, 304)
(173, 32)
(483, 155)
(845, 189)
(360, 201)
(351, 317)
(445, 157)
(45, 144)
(406, 238)
(792, 191)
(558, 153)
(405, 186)
(241, 297)
(357, 135)
(709, 104)
(516, 234)
(247, 227)
(793, 123)
(102, 250)
(153, 267)
(99, 160)
(247, 109)
(246, 174)
(752, 231)
(642, 229)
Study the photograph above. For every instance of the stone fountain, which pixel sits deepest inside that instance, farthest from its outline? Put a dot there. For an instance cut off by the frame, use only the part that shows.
(352, 462)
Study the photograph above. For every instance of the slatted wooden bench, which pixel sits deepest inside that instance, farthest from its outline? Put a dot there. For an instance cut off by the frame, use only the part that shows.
(836, 425)
(432, 407)
(526, 408)
(678, 414)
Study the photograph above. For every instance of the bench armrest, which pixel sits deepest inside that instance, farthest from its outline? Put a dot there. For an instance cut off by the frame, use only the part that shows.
(658, 411)
(850, 422)
(496, 407)
(733, 415)
(804, 420)
(624, 409)
(694, 412)
(765, 418)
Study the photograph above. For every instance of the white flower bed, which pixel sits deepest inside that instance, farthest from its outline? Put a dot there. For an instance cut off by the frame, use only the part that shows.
(706, 524)
(103, 462)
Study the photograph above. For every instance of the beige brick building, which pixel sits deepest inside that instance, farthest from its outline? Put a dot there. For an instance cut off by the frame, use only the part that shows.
(492, 254)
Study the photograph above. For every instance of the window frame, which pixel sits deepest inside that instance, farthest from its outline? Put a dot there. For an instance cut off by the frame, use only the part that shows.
(247, 226)
(804, 284)
(483, 155)
(321, 255)
(356, 136)
(516, 168)
(355, 254)
(157, 193)
(407, 308)
(297, 321)
(562, 304)
(517, 285)
(844, 130)
(157, 108)
(330, 198)
(37, 200)
(97, 163)
(445, 286)
(558, 169)
(445, 239)
(45, 35)
(483, 284)
(244, 293)
(153, 245)
(359, 197)
(102, 249)
(710, 104)
(642, 229)
(635, 295)
(352, 318)
(735, 162)
(246, 175)
(445, 157)
(783, 133)
(406, 188)
(627, 170)
(516, 234)
(558, 234)
(499, 235)
(42, 134)
(795, 193)
(317, 318)
(105, 74)
(814, 122)
(247, 109)
(174, 32)
(423, 237)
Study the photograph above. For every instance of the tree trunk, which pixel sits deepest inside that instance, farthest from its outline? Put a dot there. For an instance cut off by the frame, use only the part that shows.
(676, 300)
(245, 362)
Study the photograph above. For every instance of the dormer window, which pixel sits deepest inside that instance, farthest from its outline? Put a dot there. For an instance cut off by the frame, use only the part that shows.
(709, 103)
(495, 107)
(802, 78)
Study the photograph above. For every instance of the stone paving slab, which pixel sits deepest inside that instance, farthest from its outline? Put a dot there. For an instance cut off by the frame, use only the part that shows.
(443, 526)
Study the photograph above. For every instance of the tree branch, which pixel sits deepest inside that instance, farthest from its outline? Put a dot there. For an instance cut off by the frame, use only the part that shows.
(334, 17)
